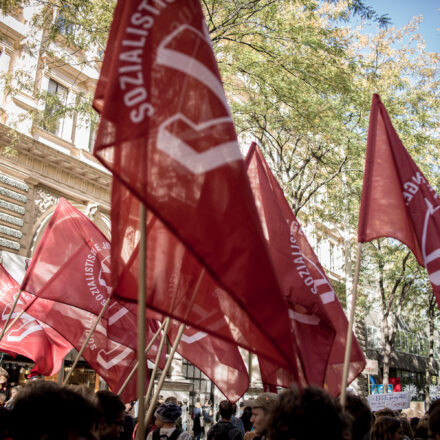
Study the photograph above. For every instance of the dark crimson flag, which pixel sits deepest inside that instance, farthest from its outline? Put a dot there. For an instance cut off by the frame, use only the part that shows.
(167, 134)
(316, 316)
(28, 336)
(397, 200)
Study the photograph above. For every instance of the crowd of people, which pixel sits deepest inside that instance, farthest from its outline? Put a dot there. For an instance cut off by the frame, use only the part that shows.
(43, 410)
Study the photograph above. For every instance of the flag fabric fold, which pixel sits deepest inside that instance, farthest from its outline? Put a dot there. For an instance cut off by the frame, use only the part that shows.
(29, 337)
(397, 199)
(167, 134)
(316, 316)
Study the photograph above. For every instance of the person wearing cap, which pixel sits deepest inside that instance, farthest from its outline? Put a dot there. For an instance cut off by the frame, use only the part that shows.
(166, 416)
(261, 408)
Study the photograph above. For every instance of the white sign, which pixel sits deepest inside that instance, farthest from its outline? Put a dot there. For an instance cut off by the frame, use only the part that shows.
(391, 400)
(371, 367)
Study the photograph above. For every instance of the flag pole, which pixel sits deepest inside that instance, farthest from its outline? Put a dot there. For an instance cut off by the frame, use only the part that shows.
(164, 374)
(150, 344)
(349, 339)
(142, 370)
(10, 315)
(156, 363)
(81, 351)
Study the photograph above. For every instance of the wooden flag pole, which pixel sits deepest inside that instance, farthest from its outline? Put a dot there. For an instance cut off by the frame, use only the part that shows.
(164, 374)
(98, 318)
(150, 344)
(349, 339)
(156, 363)
(142, 369)
(15, 320)
(10, 315)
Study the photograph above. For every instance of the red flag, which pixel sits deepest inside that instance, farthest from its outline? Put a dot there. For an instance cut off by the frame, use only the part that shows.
(110, 359)
(71, 265)
(397, 200)
(28, 336)
(166, 133)
(317, 318)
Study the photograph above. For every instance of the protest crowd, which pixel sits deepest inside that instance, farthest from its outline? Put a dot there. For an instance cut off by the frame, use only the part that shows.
(43, 410)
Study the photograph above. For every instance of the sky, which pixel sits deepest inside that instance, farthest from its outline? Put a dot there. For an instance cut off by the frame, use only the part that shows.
(401, 11)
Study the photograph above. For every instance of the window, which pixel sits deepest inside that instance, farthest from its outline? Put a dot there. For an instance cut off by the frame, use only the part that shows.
(56, 98)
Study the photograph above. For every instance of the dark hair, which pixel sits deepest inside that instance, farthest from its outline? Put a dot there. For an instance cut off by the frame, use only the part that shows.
(225, 409)
(384, 428)
(5, 423)
(406, 428)
(422, 428)
(110, 404)
(309, 414)
(361, 416)
(246, 418)
(414, 422)
(46, 409)
(434, 406)
(385, 412)
(434, 421)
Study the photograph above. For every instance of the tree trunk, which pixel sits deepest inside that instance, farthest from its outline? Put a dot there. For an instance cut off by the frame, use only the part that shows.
(387, 337)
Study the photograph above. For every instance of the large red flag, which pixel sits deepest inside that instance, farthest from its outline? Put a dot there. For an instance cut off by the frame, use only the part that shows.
(317, 318)
(71, 265)
(166, 133)
(397, 200)
(28, 336)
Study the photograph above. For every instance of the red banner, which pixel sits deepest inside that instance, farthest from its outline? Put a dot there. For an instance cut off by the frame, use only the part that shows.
(167, 134)
(316, 316)
(397, 200)
(71, 265)
(29, 337)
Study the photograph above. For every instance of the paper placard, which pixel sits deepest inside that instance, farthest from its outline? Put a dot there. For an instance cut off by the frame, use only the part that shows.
(371, 367)
(391, 400)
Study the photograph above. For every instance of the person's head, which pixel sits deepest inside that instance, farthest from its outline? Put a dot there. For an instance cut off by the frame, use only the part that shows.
(225, 410)
(406, 428)
(434, 405)
(247, 413)
(261, 407)
(385, 412)
(387, 428)
(198, 405)
(112, 408)
(307, 414)
(434, 424)
(45, 410)
(171, 399)
(167, 414)
(414, 422)
(5, 423)
(422, 428)
(361, 416)
(14, 391)
(3, 377)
